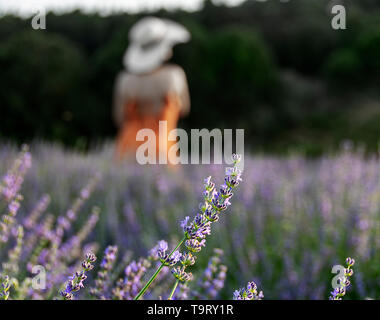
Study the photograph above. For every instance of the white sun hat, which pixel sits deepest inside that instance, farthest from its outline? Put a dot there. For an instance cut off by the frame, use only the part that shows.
(151, 42)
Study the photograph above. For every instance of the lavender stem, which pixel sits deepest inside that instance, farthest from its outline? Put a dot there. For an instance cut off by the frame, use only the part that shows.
(173, 290)
(141, 293)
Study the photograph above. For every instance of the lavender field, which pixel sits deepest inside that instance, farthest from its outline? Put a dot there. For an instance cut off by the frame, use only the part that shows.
(290, 220)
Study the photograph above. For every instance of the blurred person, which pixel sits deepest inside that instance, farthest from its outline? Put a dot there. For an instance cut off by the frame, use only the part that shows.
(150, 90)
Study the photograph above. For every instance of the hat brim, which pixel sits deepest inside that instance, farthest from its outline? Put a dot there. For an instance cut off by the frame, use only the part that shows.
(139, 60)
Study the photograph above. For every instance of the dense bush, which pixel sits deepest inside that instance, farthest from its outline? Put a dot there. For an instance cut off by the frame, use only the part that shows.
(42, 77)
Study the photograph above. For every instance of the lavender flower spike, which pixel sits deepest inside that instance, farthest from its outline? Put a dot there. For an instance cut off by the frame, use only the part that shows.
(75, 283)
(103, 277)
(341, 290)
(214, 203)
(181, 275)
(248, 293)
(4, 287)
(195, 233)
(165, 258)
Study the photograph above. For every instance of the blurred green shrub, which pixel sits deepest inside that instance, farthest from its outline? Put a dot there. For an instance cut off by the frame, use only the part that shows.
(232, 76)
(41, 79)
(57, 84)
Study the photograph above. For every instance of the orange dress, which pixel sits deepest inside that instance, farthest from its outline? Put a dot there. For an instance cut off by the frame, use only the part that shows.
(142, 101)
(135, 121)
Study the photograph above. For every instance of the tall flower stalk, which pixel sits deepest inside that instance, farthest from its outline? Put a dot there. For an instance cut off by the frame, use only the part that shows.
(75, 283)
(341, 290)
(143, 290)
(195, 232)
(103, 277)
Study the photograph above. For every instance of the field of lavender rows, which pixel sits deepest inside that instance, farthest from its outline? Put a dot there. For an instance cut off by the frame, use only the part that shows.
(291, 219)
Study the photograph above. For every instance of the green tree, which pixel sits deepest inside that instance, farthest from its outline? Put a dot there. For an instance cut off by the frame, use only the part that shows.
(41, 80)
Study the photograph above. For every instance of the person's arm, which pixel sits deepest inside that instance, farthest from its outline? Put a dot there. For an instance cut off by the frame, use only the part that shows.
(119, 98)
(185, 97)
(182, 90)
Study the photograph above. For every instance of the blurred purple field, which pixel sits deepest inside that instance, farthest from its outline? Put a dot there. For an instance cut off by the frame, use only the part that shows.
(291, 220)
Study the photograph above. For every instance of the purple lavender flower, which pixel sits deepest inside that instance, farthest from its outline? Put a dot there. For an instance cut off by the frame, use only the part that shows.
(248, 293)
(14, 178)
(103, 278)
(128, 287)
(9, 219)
(187, 259)
(195, 245)
(212, 280)
(341, 290)
(198, 229)
(75, 282)
(215, 202)
(41, 206)
(195, 233)
(165, 258)
(181, 275)
(109, 257)
(4, 287)
(184, 222)
(11, 268)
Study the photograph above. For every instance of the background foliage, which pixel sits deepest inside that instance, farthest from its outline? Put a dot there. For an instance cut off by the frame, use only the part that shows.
(276, 69)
